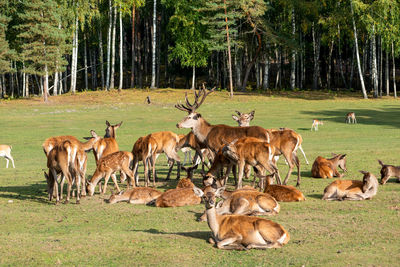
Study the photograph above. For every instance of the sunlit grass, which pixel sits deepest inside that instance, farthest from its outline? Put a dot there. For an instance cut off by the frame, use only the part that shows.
(36, 232)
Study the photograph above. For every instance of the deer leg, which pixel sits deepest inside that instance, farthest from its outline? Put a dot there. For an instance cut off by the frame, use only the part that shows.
(114, 178)
(107, 177)
(7, 162)
(135, 171)
(297, 162)
(234, 172)
(78, 187)
(228, 171)
(231, 243)
(240, 178)
(304, 154)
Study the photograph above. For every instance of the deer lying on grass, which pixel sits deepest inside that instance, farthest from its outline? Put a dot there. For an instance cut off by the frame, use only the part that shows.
(352, 189)
(254, 152)
(241, 232)
(315, 124)
(182, 195)
(187, 182)
(137, 195)
(5, 152)
(245, 201)
(388, 171)
(351, 118)
(107, 166)
(284, 193)
(144, 150)
(327, 168)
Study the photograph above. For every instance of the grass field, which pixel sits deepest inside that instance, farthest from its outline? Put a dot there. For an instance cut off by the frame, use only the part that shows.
(34, 231)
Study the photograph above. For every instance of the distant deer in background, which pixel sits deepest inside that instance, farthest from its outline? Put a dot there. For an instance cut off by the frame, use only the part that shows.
(351, 118)
(315, 124)
(244, 118)
(5, 151)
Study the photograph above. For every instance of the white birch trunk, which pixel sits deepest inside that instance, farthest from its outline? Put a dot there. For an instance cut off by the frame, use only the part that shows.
(266, 74)
(109, 46)
(194, 78)
(357, 54)
(101, 58)
(293, 59)
(121, 42)
(153, 60)
(374, 64)
(55, 86)
(394, 73)
(387, 73)
(46, 83)
(114, 26)
(74, 63)
(85, 61)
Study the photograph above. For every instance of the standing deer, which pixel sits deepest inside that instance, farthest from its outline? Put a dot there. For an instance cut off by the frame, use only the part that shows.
(240, 232)
(285, 141)
(107, 166)
(327, 168)
(144, 150)
(351, 118)
(315, 124)
(388, 171)
(5, 151)
(244, 118)
(254, 152)
(352, 189)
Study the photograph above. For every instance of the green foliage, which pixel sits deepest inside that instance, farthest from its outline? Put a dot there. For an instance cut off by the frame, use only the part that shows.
(5, 51)
(43, 42)
(188, 34)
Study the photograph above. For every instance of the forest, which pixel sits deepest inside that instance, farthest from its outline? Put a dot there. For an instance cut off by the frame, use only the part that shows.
(52, 47)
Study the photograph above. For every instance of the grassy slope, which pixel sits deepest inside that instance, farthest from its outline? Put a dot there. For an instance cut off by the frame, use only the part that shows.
(36, 232)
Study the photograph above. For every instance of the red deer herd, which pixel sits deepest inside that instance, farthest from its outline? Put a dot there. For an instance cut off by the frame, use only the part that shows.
(238, 149)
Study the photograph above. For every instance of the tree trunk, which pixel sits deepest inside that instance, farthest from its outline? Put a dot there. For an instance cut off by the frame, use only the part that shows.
(374, 64)
(194, 78)
(278, 71)
(229, 51)
(133, 46)
(101, 59)
(74, 63)
(352, 68)
(46, 83)
(85, 61)
(114, 28)
(55, 86)
(250, 64)
(387, 73)
(121, 59)
(153, 60)
(394, 73)
(266, 74)
(293, 59)
(340, 59)
(380, 68)
(357, 54)
(329, 70)
(238, 68)
(109, 45)
(316, 49)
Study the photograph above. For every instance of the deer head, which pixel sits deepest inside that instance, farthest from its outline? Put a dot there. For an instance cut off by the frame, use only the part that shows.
(341, 161)
(244, 118)
(369, 182)
(191, 120)
(111, 130)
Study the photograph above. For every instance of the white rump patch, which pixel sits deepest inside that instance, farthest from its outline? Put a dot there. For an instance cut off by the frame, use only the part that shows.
(282, 239)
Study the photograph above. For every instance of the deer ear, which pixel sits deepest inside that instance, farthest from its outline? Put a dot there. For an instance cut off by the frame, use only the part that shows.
(219, 191)
(198, 192)
(108, 124)
(343, 156)
(235, 118)
(238, 112)
(119, 124)
(364, 172)
(252, 113)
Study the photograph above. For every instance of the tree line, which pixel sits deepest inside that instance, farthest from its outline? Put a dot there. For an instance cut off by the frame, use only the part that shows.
(50, 47)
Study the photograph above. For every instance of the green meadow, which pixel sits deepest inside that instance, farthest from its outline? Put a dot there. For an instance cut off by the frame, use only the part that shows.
(34, 231)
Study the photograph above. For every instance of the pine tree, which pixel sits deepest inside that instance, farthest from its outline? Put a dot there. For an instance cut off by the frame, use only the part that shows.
(43, 42)
(5, 51)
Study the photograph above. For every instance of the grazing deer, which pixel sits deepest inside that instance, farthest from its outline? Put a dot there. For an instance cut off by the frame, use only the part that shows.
(352, 189)
(388, 171)
(5, 151)
(60, 161)
(137, 195)
(315, 124)
(244, 118)
(107, 166)
(284, 193)
(327, 168)
(254, 152)
(245, 201)
(220, 162)
(286, 141)
(241, 232)
(351, 118)
(144, 150)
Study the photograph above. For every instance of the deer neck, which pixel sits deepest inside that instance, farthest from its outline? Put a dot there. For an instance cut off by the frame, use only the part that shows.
(89, 144)
(212, 220)
(201, 129)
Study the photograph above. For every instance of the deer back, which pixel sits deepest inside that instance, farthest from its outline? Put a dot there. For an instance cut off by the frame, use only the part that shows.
(165, 140)
(177, 198)
(104, 147)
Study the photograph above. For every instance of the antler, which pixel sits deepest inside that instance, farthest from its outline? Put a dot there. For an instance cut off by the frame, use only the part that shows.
(190, 108)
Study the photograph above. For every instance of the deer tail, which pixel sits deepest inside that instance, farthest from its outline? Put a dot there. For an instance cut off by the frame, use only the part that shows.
(381, 163)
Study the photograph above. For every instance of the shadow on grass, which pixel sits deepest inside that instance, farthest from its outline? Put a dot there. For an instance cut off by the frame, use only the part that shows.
(385, 116)
(316, 196)
(33, 192)
(203, 235)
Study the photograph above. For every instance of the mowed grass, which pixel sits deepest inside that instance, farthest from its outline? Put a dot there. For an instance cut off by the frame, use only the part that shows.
(34, 231)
